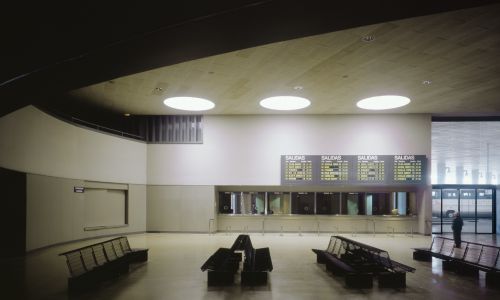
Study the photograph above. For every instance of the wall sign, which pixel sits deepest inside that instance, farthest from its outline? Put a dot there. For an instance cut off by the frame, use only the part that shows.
(353, 169)
(78, 189)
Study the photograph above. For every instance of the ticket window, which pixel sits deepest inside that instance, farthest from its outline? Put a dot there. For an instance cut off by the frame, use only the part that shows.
(303, 203)
(378, 204)
(225, 203)
(257, 203)
(230, 202)
(353, 203)
(278, 203)
(327, 203)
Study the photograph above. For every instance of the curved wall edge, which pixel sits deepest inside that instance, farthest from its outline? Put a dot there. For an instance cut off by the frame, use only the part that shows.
(35, 142)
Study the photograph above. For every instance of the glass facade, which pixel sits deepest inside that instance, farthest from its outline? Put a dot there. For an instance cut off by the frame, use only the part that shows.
(476, 205)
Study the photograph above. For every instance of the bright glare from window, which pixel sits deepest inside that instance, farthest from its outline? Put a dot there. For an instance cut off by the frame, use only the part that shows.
(189, 103)
(285, 103)
(383, 102)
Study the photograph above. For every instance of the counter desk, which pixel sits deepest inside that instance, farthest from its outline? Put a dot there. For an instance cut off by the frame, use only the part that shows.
(284, 223)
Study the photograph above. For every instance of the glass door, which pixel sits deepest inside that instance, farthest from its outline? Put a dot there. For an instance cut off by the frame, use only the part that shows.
(436, 211)
(449, 207)
(485, 212)
(468, 209)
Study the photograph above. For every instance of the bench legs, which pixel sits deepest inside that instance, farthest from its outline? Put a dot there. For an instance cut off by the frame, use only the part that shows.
(138, 255)
(422, 255)
(253, 278)
(217, 278)
(392, 280)
(493, 279)
(460, 268)
(359, 280)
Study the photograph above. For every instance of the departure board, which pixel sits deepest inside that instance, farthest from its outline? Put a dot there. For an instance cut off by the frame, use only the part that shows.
(353, 169)
(334, 168)
(407, 168)
(370, 168)
(298, 168)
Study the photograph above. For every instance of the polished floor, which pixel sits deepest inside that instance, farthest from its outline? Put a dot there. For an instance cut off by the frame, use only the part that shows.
(173, 271)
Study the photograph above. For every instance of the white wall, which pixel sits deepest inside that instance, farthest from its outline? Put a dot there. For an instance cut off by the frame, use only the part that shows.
(180, 208)
(246, 150)
(55, 214)
(33, 142)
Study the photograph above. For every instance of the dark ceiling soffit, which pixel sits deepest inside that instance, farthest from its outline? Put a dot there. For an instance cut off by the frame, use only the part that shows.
(255, 25)
(467, 119)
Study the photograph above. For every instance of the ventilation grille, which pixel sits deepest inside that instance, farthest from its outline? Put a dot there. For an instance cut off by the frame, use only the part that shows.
(179, 129)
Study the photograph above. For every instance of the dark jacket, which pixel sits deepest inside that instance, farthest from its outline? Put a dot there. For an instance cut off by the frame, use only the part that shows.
(457, 224)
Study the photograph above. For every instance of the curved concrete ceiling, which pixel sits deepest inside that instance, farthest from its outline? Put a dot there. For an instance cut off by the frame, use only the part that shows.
(446, 63)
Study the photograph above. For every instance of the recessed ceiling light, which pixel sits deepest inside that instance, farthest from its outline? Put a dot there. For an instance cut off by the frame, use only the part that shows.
(126, 115)
(189, 103)
(383, 102)
(285, 103)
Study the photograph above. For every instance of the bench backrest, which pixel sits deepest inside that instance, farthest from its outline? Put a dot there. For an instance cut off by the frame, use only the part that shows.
(118, 248)
(110, 252)
(99, 254)
(340, 246)
(88, 258)
(125, 245)
(84, 259)
(75, 264)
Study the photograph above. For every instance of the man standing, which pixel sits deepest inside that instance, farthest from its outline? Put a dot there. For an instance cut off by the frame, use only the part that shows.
(456, 226)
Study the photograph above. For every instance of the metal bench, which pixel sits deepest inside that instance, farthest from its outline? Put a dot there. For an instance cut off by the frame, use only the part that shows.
(468, 260)
(256, 266)
(224, 263)
(90, 265)
(359, 262)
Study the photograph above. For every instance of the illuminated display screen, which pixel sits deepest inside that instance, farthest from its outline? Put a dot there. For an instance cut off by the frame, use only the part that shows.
(334, 168)
(352, 169)
(298, 168)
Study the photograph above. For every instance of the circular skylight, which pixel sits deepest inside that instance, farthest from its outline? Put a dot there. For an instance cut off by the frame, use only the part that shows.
(383, 102)
(285, 103)
(189, 103)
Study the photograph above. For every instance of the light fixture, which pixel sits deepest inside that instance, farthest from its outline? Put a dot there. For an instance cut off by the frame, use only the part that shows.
(189, 103)
(126, 114)
(426, 82)
(383, 102)
(285, 103)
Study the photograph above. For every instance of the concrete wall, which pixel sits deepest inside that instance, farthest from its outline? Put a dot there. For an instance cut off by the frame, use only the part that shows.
(55, 213)
(33, 142)
(246, 150)
(58, 156)
(180, 208)
(237, 150)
